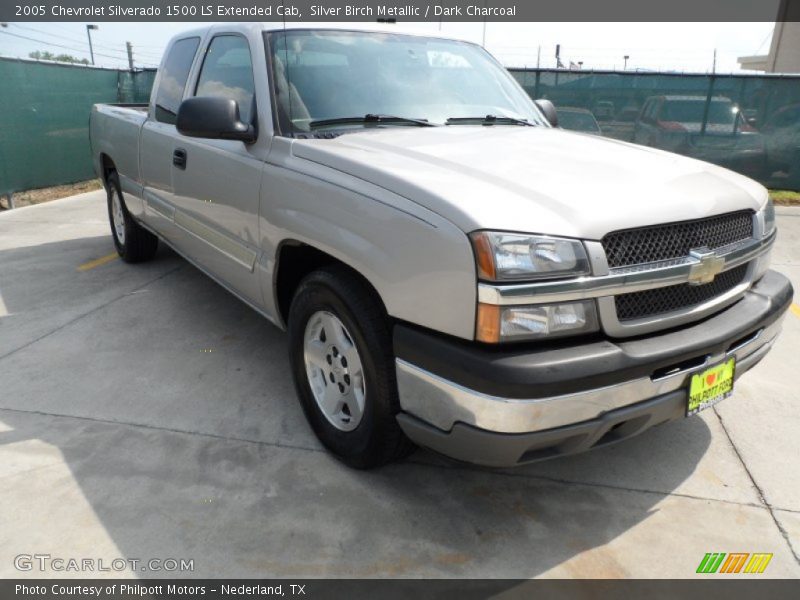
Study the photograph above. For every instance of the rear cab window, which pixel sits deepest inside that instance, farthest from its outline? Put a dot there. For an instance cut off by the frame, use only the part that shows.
(174, 75)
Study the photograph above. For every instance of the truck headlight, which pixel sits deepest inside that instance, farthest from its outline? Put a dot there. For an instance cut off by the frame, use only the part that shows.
(515, 323)
(768, 214)
(513, 256)
(767, 217)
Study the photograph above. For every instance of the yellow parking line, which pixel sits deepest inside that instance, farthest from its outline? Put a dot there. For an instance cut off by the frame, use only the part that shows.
(98, 262)
(795, 310)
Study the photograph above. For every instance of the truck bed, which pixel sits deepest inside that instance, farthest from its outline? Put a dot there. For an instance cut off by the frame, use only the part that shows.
(114, 131)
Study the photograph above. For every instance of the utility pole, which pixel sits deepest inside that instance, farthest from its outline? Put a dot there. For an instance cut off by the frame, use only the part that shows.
(625, 65)
(538, 55)
(714, 63)
(89, 35)
(129, 48)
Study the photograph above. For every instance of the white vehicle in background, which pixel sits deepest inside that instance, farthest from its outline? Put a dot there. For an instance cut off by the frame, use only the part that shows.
(453, 269)
(577, 119)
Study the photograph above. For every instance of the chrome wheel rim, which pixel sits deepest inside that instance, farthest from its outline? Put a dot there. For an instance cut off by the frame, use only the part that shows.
(117, 217)
(334, 370)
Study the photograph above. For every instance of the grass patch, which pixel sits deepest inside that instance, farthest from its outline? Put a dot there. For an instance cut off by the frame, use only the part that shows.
(785, 197)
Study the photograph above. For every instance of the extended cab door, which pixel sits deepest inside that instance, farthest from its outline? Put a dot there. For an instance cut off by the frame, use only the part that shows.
(216, 188)
(157, 143)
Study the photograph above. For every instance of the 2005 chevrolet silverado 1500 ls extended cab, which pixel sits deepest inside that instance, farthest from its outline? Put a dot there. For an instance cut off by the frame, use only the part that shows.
(452, 268)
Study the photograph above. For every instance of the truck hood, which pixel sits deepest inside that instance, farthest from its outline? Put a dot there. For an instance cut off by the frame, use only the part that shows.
(534, 179)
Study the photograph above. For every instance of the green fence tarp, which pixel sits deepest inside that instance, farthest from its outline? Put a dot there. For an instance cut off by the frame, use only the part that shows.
(44, 119)
(750, 123)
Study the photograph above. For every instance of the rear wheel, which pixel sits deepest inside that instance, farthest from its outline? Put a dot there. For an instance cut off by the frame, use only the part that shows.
(133, 242)
(343, 368)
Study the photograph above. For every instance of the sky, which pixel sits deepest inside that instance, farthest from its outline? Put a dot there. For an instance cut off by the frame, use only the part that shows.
(651, 46)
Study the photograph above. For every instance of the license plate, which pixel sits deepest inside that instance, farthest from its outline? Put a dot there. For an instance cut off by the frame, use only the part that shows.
(710, 386)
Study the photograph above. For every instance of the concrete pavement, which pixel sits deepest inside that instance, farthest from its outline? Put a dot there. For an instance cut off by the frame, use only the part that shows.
(146, 413)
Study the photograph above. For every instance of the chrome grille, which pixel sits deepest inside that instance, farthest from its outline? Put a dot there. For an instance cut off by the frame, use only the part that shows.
(648, 303)
(675, 240)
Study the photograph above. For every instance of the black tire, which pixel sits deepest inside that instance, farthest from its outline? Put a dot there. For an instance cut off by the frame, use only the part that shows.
(377, 439)
(138, 245)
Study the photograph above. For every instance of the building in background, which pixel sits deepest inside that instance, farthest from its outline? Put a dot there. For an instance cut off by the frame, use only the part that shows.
(784, 52)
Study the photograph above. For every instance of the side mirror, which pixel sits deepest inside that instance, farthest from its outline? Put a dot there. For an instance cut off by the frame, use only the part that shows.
(549, 111)
(213, 118)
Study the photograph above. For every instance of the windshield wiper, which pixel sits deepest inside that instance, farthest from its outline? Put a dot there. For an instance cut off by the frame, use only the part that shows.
(489, 120)
(370, 118)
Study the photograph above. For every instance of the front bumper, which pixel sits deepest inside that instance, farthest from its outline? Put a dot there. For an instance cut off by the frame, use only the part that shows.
(503, 406)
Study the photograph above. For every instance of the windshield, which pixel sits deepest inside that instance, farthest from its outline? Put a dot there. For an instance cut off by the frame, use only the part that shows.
(322, 75)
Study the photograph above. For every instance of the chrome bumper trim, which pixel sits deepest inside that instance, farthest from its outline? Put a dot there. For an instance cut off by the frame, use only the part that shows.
(623, 280)
(442, 403)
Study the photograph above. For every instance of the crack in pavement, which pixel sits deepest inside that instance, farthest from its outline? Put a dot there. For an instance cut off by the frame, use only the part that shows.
(453, 467)
(89, 312)
(759, 491)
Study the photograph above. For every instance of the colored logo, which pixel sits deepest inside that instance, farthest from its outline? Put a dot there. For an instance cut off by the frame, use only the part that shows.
(735, 562)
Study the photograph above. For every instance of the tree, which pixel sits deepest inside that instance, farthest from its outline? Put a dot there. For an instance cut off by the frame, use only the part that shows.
(66, 58)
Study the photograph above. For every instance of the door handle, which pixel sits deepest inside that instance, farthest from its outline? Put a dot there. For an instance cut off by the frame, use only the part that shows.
(179, 158)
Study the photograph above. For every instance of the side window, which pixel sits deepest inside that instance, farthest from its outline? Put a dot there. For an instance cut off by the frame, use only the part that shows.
(173, 79)
(228, 73)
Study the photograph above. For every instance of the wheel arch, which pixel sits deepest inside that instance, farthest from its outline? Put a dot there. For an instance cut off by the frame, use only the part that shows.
(107, 166)
(294, 260)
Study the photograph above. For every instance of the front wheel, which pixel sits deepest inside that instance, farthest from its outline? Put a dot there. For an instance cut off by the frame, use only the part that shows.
(341, 354)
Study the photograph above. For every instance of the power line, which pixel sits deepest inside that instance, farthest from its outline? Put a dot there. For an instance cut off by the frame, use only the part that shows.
(78, 41)
(151, 59)
(24, 37)
(110, 49)
(151, 46)
(62, 28)
(764, 41)
(151, 55)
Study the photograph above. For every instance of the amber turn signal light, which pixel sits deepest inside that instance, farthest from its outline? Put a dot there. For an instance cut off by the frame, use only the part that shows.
(488, 323)
(484, 256)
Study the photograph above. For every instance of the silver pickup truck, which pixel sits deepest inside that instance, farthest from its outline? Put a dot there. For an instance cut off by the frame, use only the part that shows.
(453, 270)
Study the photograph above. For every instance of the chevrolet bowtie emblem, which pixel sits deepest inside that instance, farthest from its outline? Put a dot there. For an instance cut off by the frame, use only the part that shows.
(709, 266)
